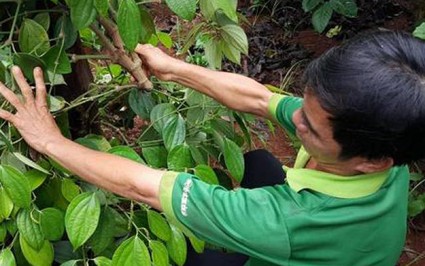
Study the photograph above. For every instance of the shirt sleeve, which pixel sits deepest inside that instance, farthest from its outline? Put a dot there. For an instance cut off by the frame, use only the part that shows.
(282, 107)
(228, 218)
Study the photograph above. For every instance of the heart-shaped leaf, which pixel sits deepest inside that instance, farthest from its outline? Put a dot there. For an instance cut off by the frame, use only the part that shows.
(81, 218)
(131, 252)
(158, 225)
(16, 185)
(33, 38)
(30, 228)
(129, 23)
(186, 9)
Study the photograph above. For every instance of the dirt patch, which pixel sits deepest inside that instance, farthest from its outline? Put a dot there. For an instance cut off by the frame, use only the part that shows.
(414, 250)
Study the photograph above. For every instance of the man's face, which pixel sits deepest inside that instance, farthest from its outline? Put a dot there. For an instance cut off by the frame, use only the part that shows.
(314, 130)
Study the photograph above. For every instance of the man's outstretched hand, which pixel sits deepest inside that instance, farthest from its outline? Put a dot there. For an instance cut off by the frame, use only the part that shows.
(32, 118)
(157, 62)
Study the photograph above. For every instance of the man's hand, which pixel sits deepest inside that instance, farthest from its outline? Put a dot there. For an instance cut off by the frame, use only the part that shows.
(157, 62)
(32, 118)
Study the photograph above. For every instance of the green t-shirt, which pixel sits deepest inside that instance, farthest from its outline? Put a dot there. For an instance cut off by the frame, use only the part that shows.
(315, 218)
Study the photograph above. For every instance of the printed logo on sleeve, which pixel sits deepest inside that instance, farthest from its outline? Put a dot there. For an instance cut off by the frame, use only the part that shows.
(185, 196)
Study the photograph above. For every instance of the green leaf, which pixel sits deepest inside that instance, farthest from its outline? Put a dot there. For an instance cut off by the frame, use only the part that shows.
(206, 174)
(159, 253)
(104, 234)
(165, 39)
(52, 223)
(197, 244)
(81, 218)
(56, 103)
(231, 52)
(346, 8)
(29, 162)
(33, 38)
(35, 178)
(155, 156)
(309, 5)
(121, 223)
(69, 189)
(160, 114)
(321, 17)
(103, 261)
(3, 71)
(6, 204)
(174, 132)
(126, 152)
(233, 158)
(199, 155)
(195, 116)
(186, 9)
(235, 36)
(148, 26)
(223, 127)
(11, 226)
(16, 186)
(158, 225)
(43, 19)
(213, 53)
(83, 13)
(102, 7)
(7, 158)
(129, 23)
(241, 120)
(180, 158)
(94, 142)
(3, 233)
(416, 207)
(153, 40)
(42, 257)
(7, 258)
(208, 8)
(141, 102)
(27, 63)
(64, 28)
(63, 252)
(30, 229)
(55, 79)
(57, 61)
(131, 252)
(419, 32)
(222, 19)
(70, 263)
(177, 247)
(415, 177)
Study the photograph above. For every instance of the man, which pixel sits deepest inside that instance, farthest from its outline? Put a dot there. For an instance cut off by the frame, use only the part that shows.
(344, 202)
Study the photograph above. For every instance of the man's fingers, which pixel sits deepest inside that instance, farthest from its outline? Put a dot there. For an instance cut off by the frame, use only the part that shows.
(6, 115)
(41, 94)
(10, 96)
(142, 48)
(23, 84)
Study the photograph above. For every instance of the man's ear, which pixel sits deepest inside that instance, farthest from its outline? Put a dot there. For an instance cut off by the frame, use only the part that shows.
(375, 165)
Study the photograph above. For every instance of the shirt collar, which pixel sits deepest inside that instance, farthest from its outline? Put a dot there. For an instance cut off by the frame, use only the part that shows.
(333, 185)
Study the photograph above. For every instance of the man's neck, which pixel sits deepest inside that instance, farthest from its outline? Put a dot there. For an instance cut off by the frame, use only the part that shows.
(337, 169)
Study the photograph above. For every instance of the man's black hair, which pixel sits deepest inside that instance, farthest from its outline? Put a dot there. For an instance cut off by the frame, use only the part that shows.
(374, 88)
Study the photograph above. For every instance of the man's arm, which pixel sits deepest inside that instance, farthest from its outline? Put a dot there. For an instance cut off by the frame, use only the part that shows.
(116, 174)
(235, 91)
(38, 128)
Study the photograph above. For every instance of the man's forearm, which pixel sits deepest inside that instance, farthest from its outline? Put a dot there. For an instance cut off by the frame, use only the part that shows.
(233, 90)
(116, 174)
